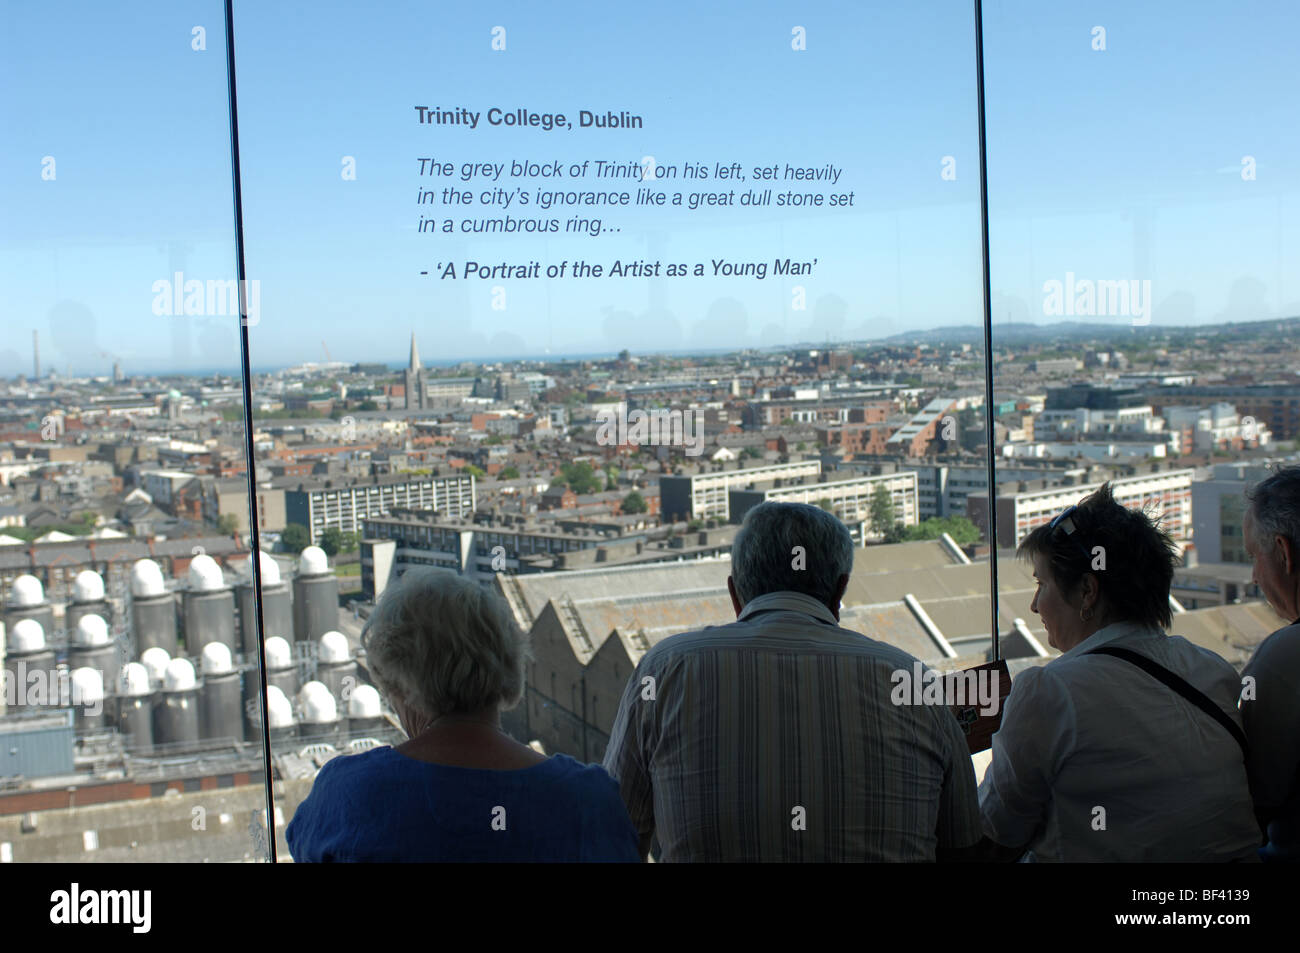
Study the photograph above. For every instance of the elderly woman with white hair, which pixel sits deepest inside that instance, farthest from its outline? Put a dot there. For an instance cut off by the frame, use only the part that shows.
(447, 654)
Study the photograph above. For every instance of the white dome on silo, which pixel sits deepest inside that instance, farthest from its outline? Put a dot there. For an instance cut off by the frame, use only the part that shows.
(320, 707)
(26, 591)
(147, 579)
(180, 676)
(91, 630)
(313, 562)
(278, 654)
(155, 661)
(364, 702)
(136, 679)
(312, 690)
(270, 569)
(216, 659)
(279, 711)
(205, 575)
(87, 686)
(27, 635)
(334, 647)
(88, 586)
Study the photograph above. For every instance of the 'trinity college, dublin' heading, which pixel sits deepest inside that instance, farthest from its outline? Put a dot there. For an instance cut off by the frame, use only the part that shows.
(496, 116)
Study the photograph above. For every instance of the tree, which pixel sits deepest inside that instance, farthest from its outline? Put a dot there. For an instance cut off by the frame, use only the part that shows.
(825, 503)
(509, 473)
(896, 533)
(962, 530)
(634, 502)
(228, 524)
(474, 471)
(296, 538)
(580, 477)
(882, 509)
(331, 541)
(350, 542)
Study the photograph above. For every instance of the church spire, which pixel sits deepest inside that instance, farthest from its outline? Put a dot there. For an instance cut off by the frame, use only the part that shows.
(415, 354)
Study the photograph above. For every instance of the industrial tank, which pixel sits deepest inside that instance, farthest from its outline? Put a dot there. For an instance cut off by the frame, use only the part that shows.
(277, 605)
(319, 719)
(26, 600)
(315, 596)
(135, 707)
(30, 668)
(87, 599)
(209, 607)
(91, 646)
(90, 710)
(281, 669)
(220, 698)
(177, 719)
(365, 711)
(153, 609)
(336, 668)
(155, 661)
(282, 724)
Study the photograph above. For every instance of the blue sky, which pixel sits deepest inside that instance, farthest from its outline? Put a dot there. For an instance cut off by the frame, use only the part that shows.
(1115, 164)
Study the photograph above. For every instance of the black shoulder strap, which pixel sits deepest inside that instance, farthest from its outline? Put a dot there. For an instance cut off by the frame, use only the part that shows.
(1190, 692)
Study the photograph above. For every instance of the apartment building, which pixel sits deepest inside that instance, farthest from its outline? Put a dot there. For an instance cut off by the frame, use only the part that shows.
(345, 503)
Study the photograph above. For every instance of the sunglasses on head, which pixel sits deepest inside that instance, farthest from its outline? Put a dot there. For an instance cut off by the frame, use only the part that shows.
(1064, 522)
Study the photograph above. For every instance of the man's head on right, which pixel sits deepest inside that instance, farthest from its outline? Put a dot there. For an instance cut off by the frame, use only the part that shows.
(1271, 533)
(791, 547)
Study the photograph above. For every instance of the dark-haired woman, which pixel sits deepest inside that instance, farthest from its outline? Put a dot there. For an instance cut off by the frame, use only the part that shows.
(1127, 747)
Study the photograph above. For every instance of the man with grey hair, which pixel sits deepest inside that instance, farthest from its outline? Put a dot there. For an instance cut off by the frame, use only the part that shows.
(1270, 699)
(775, 738)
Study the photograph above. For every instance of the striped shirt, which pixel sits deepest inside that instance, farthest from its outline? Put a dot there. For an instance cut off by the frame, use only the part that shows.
(774, 739)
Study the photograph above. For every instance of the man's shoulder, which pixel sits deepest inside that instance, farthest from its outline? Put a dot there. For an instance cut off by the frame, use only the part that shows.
(747, 636)
(1280, 651)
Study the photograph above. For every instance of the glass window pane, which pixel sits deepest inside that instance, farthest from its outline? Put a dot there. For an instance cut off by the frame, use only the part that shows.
(125, 492)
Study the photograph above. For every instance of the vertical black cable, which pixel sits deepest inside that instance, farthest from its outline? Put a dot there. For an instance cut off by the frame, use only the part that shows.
(255, 540)
(988, 327)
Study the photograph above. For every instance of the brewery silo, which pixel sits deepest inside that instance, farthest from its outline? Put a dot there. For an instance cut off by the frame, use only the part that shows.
(91, 646)
(280, 717)
(178, 713)
(335, 665)
(281, 669)
(26, 600)
(153, 609)
(365, 711)
(220, 698)
(319, 720)
(135, 705)
(88, 699)
(277, 606)
(87, 599)
(30, 667)
(209, 607)
(315, 596)
(155, 661)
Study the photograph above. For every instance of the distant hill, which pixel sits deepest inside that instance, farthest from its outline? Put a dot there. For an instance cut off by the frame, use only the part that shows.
(1073, 330)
